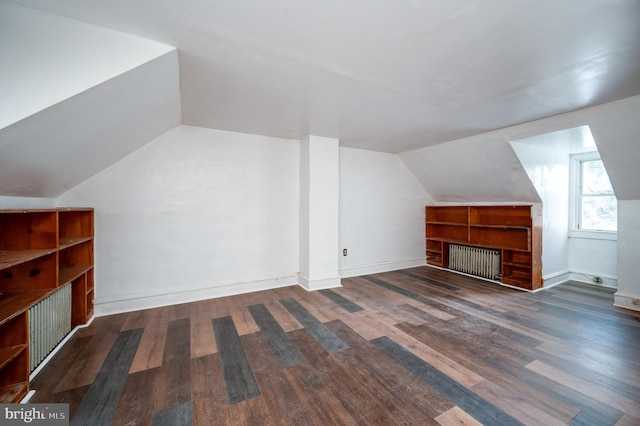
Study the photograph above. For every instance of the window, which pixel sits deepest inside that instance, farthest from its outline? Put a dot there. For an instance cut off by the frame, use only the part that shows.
(594, 203)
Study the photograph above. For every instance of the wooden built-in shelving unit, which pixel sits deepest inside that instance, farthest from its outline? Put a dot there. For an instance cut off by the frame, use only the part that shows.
(41, 251)
(514, 230)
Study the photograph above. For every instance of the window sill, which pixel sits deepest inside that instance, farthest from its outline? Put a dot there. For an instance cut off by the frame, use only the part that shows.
(594, 235)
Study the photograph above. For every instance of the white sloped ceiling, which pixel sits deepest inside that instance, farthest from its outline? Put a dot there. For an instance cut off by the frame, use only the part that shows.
(76, 98)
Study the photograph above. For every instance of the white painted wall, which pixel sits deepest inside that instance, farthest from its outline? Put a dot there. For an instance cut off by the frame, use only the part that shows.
(196, 213)
(480, 168)
(616, 131)
(628, 295)
(50, 152)
(591, 257)
(565, 255)
(26, 202)
(549, 172)
(381, 213)
(319, 207)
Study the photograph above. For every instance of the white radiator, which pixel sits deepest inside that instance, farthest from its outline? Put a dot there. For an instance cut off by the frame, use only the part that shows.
(49, 323)
(476, 261)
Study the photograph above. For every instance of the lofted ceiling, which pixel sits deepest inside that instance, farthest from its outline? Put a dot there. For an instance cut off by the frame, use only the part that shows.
(382, 75)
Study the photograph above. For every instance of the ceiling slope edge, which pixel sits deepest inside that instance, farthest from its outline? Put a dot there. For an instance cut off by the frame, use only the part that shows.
(46, 59)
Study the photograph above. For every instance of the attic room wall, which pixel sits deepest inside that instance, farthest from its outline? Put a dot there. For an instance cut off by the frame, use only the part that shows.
(381, 213)
(202, 213)
(616, 130)
(76, 98)
(197, 213)
(549, 173)
(26, 202)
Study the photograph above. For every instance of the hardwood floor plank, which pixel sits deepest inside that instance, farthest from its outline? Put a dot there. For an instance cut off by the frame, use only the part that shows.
(318, 399)
(516, 384)
(363, 323)
(360, 405)
(178, 415)
(99, 403)
(456, 417)
(208, 411)
(590, 359)
(174, 377)
(612, 399)
(137, 401)
(287, 321)
(282, 347)
(383, 389)
(430, 310)
(151, 348)
(203, 342)
(72, 397)
(318, 306)
(628, 420)
(486, 331)
(329, 341)
(342, 301)
(430, 281)
(277, 392)
(48, 380)
(515, 406)
(411, 393)
(206, 378)
(496, 367)
(258, 412)
(208, 392)
(394, 288)
(84, 371)
(242, 318)
(454, 370)
(471, 403)
(239, 380)
(377, 350)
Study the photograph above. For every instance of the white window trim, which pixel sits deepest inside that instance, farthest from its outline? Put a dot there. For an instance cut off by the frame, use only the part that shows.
(574, 193)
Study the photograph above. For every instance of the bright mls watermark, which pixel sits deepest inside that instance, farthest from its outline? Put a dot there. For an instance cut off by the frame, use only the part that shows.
(34, 414)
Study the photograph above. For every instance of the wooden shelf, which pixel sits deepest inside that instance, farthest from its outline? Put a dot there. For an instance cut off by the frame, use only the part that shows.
(521, 282)
(14, 304)
(521, 265)
(13, 392)
(68, 274)
(511, 238)
(514, 230)
(10, 258)
(10, 353)
(448, 214)
(72, 241)
(41, 251)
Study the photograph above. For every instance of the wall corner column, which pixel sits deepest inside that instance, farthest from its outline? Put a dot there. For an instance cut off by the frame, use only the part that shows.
(319, 209)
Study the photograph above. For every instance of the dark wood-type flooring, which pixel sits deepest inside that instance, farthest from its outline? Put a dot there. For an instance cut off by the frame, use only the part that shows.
(419, 346)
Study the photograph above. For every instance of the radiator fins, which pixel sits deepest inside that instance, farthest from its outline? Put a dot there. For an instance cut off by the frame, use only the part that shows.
(49, 323)
(476, 261)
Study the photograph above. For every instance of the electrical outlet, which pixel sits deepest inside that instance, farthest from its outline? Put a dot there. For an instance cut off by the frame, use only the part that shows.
(597, 280)
(344, 252)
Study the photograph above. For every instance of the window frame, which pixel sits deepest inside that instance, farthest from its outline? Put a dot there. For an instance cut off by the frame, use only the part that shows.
(575, 205)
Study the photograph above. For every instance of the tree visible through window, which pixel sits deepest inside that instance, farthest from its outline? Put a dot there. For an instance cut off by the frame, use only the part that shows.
(596, 204)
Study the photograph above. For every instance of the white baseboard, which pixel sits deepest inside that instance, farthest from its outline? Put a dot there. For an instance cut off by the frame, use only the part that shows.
(321, 284)
(626, 301)
(587, 278)
(108, 307)
(376, 268)
(556, 278)
(55, 350)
